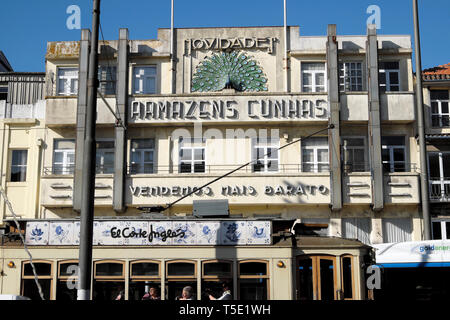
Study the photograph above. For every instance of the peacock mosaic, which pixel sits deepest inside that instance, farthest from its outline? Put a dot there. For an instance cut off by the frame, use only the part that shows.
(228, 70)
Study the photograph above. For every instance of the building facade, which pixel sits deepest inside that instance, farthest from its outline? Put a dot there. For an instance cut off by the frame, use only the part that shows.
(328, 135)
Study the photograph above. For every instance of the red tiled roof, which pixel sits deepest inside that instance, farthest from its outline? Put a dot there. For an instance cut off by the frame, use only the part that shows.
(437, 73)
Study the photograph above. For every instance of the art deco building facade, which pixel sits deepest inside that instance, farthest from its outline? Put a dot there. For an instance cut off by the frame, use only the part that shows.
(215, 100)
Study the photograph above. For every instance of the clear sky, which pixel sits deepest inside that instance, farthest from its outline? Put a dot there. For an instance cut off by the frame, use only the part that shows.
(27, 25)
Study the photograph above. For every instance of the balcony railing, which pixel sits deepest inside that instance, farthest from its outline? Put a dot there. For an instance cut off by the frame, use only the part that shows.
(70, 169)
(439, 189)
(387, 167)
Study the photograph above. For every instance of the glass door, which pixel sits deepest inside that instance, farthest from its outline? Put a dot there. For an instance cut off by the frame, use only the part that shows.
(316, 278)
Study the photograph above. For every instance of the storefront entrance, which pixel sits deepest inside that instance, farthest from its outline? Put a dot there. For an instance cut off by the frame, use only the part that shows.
(316, 278)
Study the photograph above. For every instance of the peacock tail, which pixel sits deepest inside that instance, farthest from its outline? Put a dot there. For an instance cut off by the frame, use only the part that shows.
(223, 70)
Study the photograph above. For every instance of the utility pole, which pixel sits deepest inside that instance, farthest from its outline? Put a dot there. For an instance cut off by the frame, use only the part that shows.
(421, 129)
(88, 176)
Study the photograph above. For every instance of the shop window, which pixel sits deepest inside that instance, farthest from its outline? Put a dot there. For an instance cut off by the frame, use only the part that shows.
(357, 228)
(354, 153)
(396, 229)
(393, 151)
(145, 278)
(66, 287)
(144, 80)
(109, 280)
(105, 156)
(19, 165)
(253, 280)
(192, 155)
(441, 229)
(63, 156)
(67, 81)
(44, 275)
(440, 113)
(266, 155)
(142, 156)
(180, 274)
(214, 274)
(313, 77)
(347, 277)
(389, 76)
(350, 76)
(315, 155)
(107, 78)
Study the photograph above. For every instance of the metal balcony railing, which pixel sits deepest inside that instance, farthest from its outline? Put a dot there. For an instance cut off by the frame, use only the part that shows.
(390, 167)
(439, 189)
(70, 169)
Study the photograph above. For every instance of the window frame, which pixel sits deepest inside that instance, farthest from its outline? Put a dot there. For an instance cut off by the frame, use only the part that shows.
(315, 163)
(353, 276)
(364, 147)
(216, 278)
(313, 73)
(18, 166)
(442, 222)
(192, 162)
(178, 278)
(266, 276)
(108, 278)
(391, 147)
(103, 83)
(144, 278)
(100, 168)
(70, 262)
(31, 277)
(345, 74)
(439, 113)
(65, 93)
(142, 151)
(387, 72)
(266, 144)
(155, 76)
(67, 169)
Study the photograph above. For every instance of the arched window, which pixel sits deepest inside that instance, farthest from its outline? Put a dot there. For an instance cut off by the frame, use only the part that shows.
(144, 275)
(180, 274)
(253, 280)
(66, 287)
(214, 274)
(109, 280)
(44, 271)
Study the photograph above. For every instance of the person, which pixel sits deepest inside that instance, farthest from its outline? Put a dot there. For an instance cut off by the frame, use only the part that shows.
(153, 294)
(121, 295)
(226, 295)
(187, 294)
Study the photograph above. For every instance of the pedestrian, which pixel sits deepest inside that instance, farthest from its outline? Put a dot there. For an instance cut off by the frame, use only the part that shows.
(226, 295)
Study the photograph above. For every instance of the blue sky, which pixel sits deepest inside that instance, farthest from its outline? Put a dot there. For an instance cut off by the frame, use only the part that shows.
(27, 25)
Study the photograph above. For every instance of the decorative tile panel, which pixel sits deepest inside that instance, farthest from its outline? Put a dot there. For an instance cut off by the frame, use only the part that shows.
(61, 233)
(37, 233)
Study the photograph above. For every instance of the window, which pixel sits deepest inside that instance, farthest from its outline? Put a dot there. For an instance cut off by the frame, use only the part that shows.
(357, 228)
(253, 280)
(109, 280)
(67, 81)
(142, 156)
(107, 78)
(439, 175)
(105, 156)
(347, 277)
(66, 288)
(389, 76)
(214, 273)
(393, 154)
(180, 274)
(144, 80)
(440, 229)
(63, 156)
(192, 155)
(440, 114)
(396, 230)
(266, 154)
(44, 274)
(19, 165)
(315, 155)
(350, 76)
(144, 275)
(313, 77)
(3, 91)
(354, 154)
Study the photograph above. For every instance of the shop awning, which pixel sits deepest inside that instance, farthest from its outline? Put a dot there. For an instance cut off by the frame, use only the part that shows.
(414, 254)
